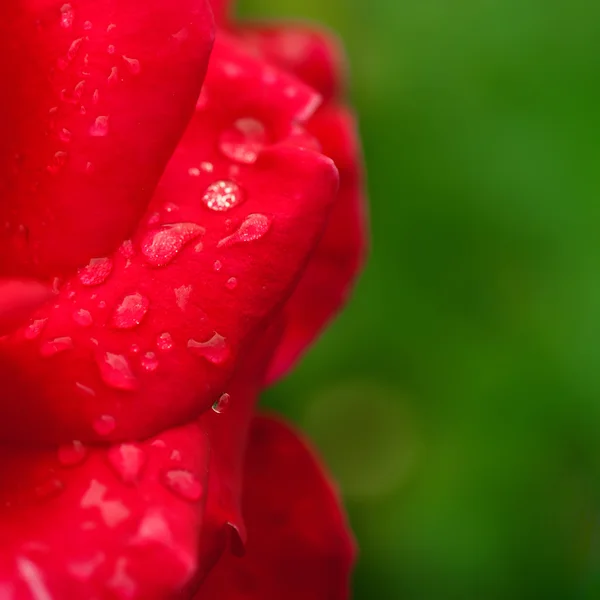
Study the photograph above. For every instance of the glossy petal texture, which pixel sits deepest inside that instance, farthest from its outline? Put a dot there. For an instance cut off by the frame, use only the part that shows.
(197, 275)
(18, 299)
(119, 523)
(96, 94)
(314, 57)
(298, 542)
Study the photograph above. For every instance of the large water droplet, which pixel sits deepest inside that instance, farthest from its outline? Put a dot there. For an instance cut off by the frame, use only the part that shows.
(214, 350)
(96, 272)
(164, 342)
(253, 228)
(104, 425)
(160, 247)
(222, 195)
(130, 312)
(71, 454)
(116, 372)
(83, 317)
(243, 140)
(222, 403)
(127, 460)
(52, 347)
(184, 484)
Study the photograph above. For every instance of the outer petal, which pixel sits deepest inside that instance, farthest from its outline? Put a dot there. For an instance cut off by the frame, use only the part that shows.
(96, 95)
(221, 10)
(121, 523)
(151, 336)
(299, 545)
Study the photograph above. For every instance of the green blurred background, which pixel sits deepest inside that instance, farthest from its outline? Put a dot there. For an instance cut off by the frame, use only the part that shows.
(457, 399)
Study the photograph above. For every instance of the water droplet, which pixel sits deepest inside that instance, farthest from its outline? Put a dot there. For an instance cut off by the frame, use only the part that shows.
(74, 48)
(71, 454)
(231, 283)
(88, 25)
(149, 362)
(59, 160)
(96, 271)
(34, 329)
(89, 168)
(207, 167)
(184, 484)
(175, 456)
(96, 96)
(133, 64)
(127, 460)
(164, 342)
(64, 135)
(116, 372)
(88, 391)
(52, 347)
(130, 312)
(194, 172)
(110, 49)
(104, 425)
(217, 265)
(199, 247)
(215, 350)
(126, 249)
(170, 207)
(243, 141)
(100, 127)
(253, 228)
(221, 404)
(182, 295)
(160, 247)
(83, 317)
(134, 349)
(222, 196)
(66, 16)
(113, 78)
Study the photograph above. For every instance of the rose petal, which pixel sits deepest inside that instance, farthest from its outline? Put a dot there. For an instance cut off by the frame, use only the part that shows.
(337, 260)
(96, 95)
(116, 523)
(208, 279)
(18, 299)
(221, 10)
(299, 545)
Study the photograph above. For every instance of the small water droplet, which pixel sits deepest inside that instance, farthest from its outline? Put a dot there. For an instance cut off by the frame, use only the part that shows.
(221, 404)
(164, 342)
(104, 425)
(133, 65)
(100, 127)
(182, 295)
(64, 135)
(214, 350)
(96, 96)
(217, 265)
(110, 49)
(170, 207)
(88, 391)
(59, 160)
(194, 172)
(74, 48)
(243, 140)
(154, 219)
(34, 329)
(71, 454)
(55, 346)
(222, 196)
(134, 349)
(83, 317)
(253, 228)
(111, 27)
(127, 460)
(66, 16)
(199, 247)
(96, 271)
(88, 25)
(126, 249)
(231, 283)
(116, 372)
(113, 78)
(207, 167)
(184, 484)
(149, 362)
(89, 168)
(130, 312)
(160, 247)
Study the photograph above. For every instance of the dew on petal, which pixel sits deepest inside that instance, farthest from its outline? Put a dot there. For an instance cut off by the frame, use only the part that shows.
(96, 271)
(130, 311)
(133, 65)
(231, 283)
(194, 172)
(71, 454)
(59, 160)
(100, 127)
(222, 196)
(217, 265)
(113, 512)
(207, 167)
(88, 391)
(116, 372)
(184, 484)
(222, 403)
(127, 460)
(149, 362)
(164, 342)
(253, 228)
(161, 246)
(83, 317)
(55, 346)
(126, 249)
(214, 350)
(243, 140)
(104, 425)
(34, 329)
(182, 295)
(67, 16)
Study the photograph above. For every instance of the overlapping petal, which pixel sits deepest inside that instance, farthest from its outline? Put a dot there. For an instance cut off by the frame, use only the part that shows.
(298, 542)
(96, 94)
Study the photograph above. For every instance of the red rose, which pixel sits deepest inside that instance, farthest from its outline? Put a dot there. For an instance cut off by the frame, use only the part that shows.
(181, 214)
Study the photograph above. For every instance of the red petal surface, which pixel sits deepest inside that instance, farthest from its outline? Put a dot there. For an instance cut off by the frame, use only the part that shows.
(18, 299)
(96, 94)
(299, 545)
(120, 523)
(221, 9)
(330, 275)
(151, 336)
